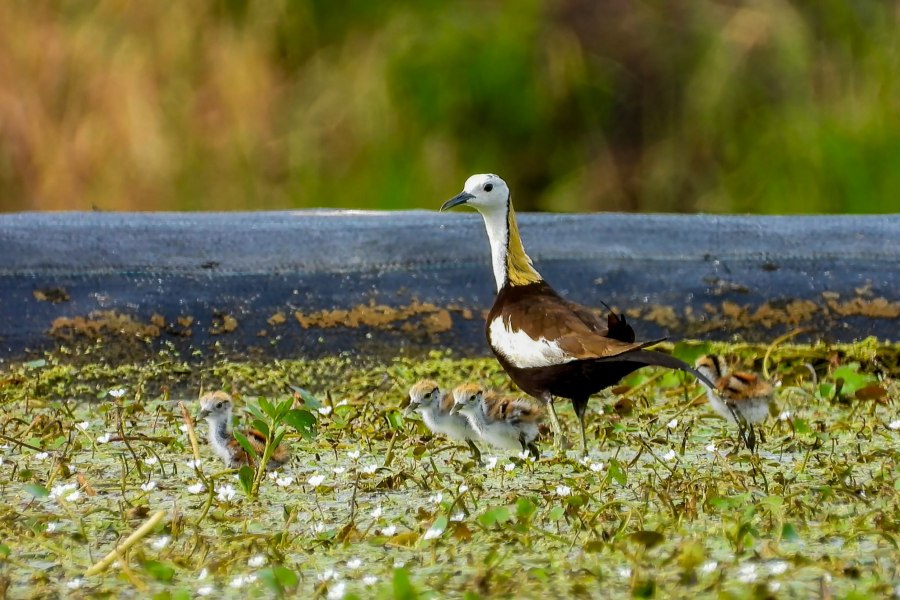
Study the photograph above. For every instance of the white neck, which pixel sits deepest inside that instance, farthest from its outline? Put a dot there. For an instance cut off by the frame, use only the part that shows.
(496, 222)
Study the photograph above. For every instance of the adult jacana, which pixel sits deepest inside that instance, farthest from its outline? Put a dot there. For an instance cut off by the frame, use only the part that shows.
(548, 345)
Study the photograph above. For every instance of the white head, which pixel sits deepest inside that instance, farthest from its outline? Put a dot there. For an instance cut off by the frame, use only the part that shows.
(424, 395)
(712, 366)
(467, 399)
(485, 192)
(215, 407)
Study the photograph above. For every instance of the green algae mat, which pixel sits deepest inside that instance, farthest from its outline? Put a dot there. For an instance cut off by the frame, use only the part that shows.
(102, 496)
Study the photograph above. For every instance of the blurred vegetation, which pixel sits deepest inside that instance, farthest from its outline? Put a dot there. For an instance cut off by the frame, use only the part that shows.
(769, 106)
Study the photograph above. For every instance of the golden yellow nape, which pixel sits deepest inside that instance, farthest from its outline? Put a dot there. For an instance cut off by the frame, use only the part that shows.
(519, 270)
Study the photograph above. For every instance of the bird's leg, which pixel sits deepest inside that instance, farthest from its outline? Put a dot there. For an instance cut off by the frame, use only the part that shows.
(751, 438)
(580, 405)
(559, 440)
(535, 452)
(476, 453)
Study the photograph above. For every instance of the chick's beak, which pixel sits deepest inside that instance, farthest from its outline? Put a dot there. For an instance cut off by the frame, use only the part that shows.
(461, 198)
(455, 409)
(202, 414)
(409, 409)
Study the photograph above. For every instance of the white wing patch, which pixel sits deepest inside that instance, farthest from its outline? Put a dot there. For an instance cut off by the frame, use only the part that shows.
(523, 351)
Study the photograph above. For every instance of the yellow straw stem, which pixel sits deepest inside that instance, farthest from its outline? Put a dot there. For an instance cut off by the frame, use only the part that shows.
(138, 534)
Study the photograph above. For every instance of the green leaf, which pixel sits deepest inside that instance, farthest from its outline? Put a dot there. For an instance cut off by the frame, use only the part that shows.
(617, 472)
(36, 490)
(245, 477)
(307, 397)
(789, 533)
(278, 578)
(4, 550)
(260, 426)
(403, 589)
(556, 513)
(394, 419)
(267, 407)
(242, 440)
(525, 508)
(159, 571)
(648, 539)
(254, 410)
(493, 516)
(282, 408)
(853, 379)
(303, 421)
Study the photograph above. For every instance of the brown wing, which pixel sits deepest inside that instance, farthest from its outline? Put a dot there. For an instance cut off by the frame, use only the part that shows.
(541, 313)
(239, 456)
(741, 386)
(447, 402)
(495, 406)
(524, 410)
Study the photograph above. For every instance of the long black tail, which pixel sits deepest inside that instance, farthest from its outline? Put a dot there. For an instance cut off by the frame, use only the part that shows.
(660, 359)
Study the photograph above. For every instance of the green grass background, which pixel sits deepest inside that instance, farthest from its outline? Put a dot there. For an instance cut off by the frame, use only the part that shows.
(769, 106)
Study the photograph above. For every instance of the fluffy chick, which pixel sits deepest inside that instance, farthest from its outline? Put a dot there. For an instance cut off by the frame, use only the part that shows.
(428, 400)
(215, 408)
(507, 423)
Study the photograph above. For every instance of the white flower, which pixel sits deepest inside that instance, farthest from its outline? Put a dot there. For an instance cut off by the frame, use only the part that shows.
(327, 575)
(369, 469)
(52, 526)
(225, 493)
(672, 424)
(284, 481)
(238, 581)
(338, 470)
(353, 454)
(196, 488)
(710, 447)
(103, 439)
(316, 480)
(774, 586)
(151, 460)
(524, 454)
(433, 532)
(117, 393)
(160, 542)
(895, 424)
(83, 425)
(325, 410)
(509, 467)
(64, 490)
(256, 561)
(436, 498)
(747, 573)
(463, 489)
(343, 402)
(336, 591)
(43, 456)
(72, 469)
(150, 485)
(490, 462)
(389, 530)
(193, 464)
(624, 571)
(399, 564)
(75, 583)
(778, 567)
(563, 490)
(183, 428)
(376, 512)
(354, 563)
(457, 517)
(273, 474)
(74, 496)
(204, 573)
(597, 467)
(784, 416)
(708, 567)
(670, 455)
(370, 580)
(319, 527)
(206, 590)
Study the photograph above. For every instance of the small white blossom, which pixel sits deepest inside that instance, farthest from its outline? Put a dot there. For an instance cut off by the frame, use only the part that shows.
(193, 464)
(103, 439)
(708, 567)
(52, 526)
(327, 575)
(354, 563)
(316, 480)
(338, 470)
(117, 393)
(75, 583)
(389, 530)
(895, 424)
(457, 517)
(343, 402)
(353, 454)
(711, 447)
(63, 490)
(399, 564)
(284, 481)
(238, 582)
(436, 498)
(150, 485)
(463, 489)
(774, 586)
(509, 467)
(370, 469)
(747, 573)
(524, 454)
(225, 493)
(256, 561)
(672, 424)
(272, 474)
(325, 410)
(376, 512)
(151, 460)
(624, 572)
(183, 428)
(74, 496)
(597, 467)
(784, 416)
(433, 532)
(490, 462)
(563, 490)
(72, 468)
(43, 456)
(336, 591)
(319, 527)
(206, 590)
(203, 574)
(160, 542)
(370, 580)
(196, 488)
(670, 455)
(778, 567)
(83, 425)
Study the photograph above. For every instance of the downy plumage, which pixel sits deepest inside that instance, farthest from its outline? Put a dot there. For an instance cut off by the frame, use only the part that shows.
(507, 423)
(427, 399)
(215, 407)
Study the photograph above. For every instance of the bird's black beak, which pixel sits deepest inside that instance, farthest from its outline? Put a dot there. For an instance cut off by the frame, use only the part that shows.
(202, 414)
(461, 198)
(455, 408)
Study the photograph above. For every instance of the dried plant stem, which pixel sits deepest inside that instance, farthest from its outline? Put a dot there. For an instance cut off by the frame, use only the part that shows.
(138, 534)
(192, 435)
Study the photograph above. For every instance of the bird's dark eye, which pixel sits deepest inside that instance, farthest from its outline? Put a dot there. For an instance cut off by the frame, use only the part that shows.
(428, 395)
(218, 405)
(472, 398)
(488, 187)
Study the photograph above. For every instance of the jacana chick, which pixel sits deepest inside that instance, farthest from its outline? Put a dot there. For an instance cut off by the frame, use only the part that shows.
(427, 399)
(548, 345)
(507, 423)
(743, 398)
(215, 407)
